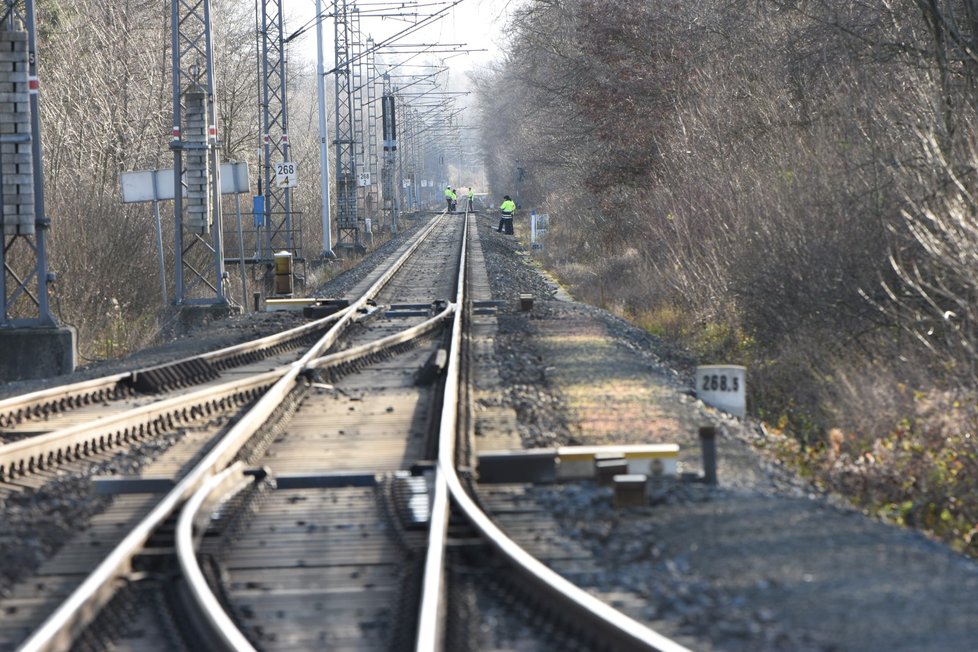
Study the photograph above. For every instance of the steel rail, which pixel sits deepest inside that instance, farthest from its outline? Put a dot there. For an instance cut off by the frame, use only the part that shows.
(62, 627)
(38, 403)
(194, 516)
(26, 455)
(275, 339)
(430, 633)
(627, 634)
(222, 629)
(35, 403)
(400, 337)
(195, 513)
(624, 631)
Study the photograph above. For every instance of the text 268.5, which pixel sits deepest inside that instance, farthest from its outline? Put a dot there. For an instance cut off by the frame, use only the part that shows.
(719, 382)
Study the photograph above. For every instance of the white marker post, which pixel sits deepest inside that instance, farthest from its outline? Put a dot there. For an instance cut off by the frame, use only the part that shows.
(723, 387)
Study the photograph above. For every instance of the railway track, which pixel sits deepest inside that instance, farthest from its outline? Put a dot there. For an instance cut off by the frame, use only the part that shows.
(314, 513)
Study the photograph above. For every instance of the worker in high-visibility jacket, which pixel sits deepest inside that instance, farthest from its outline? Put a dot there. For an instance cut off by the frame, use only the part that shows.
(471, 197)
(450, 198)
(506, 210)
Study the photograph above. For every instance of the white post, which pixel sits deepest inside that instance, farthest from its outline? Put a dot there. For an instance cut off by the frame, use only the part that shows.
(241, 259)
(323, 150)
(159, 247)
(159, 234)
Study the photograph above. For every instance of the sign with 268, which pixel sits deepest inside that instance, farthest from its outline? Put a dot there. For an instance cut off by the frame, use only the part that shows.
(286, 175)
(723, 387)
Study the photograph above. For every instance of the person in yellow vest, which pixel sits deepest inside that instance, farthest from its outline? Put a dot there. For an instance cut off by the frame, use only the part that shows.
(506, 209)
(471, 196)
(450, 198)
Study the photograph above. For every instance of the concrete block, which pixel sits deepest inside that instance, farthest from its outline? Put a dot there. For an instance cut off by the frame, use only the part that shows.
(14, 36)
(17, 179)
(518, 466)
(605, 470)
(28, 353)
(630, 490)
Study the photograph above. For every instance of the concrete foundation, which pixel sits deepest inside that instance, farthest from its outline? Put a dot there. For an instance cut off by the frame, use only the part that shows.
(29, 353)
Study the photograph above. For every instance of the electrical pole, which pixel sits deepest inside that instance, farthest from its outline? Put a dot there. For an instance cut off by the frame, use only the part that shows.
(323, 135)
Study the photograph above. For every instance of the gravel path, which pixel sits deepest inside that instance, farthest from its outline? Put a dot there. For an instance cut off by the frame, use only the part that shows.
(761, 562)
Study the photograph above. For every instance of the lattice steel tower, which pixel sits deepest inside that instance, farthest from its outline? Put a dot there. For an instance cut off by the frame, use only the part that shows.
(365, 121)
(391, 184)
(371, 144)
(196, 155)
(279, 229)
(348, 229)
(24, 274)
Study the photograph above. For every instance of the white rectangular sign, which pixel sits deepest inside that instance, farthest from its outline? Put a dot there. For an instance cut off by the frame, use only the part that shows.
(146, 185)
(286, 174)
(723, 387)
(157, 185)
(234, 178)
(363, 179)
(539, 224)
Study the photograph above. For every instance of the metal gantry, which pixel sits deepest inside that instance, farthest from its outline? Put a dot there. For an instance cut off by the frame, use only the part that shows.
(24, 278)
(196, 159)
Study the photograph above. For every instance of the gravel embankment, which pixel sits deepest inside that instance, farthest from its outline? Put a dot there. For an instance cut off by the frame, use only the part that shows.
(761, 562)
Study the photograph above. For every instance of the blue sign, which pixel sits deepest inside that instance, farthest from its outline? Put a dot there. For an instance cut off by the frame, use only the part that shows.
(258, 210)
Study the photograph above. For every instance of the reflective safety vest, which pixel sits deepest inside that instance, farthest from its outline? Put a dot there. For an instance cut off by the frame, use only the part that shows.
(449, 194)
(507, 207)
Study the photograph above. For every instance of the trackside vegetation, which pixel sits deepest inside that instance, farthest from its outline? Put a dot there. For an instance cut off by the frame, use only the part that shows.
(786, 185)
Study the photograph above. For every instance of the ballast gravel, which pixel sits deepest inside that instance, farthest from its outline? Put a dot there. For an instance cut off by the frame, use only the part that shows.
(763, 561)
